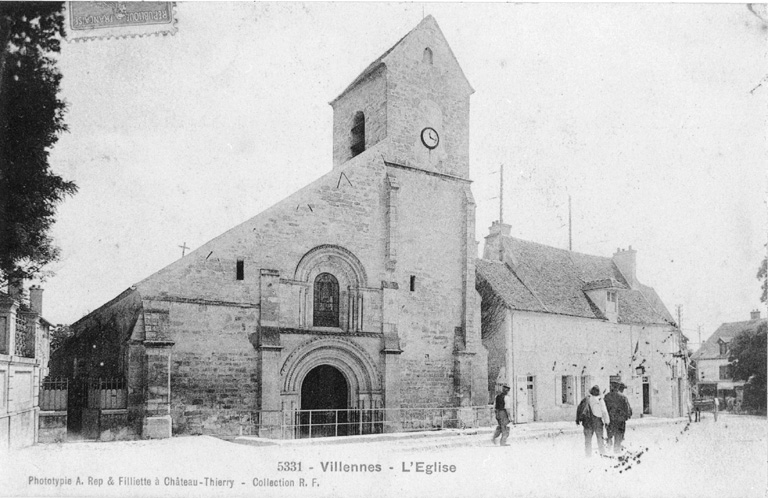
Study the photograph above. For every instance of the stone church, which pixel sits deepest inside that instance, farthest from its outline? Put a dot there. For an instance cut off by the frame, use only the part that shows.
(357, 291)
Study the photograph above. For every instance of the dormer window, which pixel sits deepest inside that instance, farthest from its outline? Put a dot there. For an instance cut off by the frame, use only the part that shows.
(427, 57)
(723, 348)
(611, 301)
(358, 134)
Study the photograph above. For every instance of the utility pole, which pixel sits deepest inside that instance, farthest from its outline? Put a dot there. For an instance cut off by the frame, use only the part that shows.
(501, 196)
(679, 320)
(699, 335)
(183, 249)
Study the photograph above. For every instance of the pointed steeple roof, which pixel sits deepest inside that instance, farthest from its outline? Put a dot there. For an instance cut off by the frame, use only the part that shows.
(382, 59)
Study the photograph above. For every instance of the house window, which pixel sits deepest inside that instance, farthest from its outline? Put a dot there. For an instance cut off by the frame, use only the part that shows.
(723, 348)
(326, 302)
(427, 58)
(567, 389)
(584, 385)
(726, 372)
(413, 283)
(612, 300)
(240, 270)
(358, 134)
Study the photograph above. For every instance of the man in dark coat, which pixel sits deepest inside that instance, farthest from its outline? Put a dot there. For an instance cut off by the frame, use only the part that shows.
(619, 411)
(503, 406)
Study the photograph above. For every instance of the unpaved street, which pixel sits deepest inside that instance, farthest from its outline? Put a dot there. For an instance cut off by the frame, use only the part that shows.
(723, 459)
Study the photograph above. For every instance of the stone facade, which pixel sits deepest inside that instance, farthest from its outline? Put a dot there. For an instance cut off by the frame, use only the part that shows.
(359, 271)
(24, 352)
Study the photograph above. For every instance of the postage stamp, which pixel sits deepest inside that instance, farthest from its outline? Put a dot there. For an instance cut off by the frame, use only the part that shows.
(101, 20)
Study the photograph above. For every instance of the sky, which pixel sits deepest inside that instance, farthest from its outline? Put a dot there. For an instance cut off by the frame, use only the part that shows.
(651, 117)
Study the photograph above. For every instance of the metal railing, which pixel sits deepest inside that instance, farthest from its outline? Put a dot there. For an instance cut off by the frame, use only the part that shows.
(107, 394)
(53, 394)
(302, 424)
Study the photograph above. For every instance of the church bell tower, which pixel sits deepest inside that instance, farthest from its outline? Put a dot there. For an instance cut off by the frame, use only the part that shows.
(411, 105)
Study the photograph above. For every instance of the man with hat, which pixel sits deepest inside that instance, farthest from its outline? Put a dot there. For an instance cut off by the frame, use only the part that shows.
(503, 407)
(619, 412)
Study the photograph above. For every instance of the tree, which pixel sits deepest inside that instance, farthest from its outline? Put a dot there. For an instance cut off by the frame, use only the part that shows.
(31, 119)
(59, 335)
(748, 360)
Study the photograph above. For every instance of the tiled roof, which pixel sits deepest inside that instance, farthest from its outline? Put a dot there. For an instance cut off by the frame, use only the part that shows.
(506, 285)
(553, 280)
(725, 332)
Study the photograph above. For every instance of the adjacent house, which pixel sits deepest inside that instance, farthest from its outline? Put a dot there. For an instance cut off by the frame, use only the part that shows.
(713, 369)
(24, 351)
(555, 322)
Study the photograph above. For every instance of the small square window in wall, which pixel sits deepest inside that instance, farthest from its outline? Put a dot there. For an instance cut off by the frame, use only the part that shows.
(240, 271)
(413, 283)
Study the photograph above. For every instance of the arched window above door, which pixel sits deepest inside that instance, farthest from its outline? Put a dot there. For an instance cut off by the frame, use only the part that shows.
(326, 301)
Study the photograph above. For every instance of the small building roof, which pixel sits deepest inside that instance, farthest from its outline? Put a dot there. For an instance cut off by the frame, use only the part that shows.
(552, 280)
(710, 349)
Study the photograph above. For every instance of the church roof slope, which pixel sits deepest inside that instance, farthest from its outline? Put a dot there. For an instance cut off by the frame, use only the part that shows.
(710, 349)
(559, 279)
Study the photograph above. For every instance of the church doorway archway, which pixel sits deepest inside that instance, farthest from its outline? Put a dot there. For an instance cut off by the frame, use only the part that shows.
(324, 388)
(324, 403)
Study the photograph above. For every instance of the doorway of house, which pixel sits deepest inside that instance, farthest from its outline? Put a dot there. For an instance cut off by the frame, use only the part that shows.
(324, 404)
(646, 396)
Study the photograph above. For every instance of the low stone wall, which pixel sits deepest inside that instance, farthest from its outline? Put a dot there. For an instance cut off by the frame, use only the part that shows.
(52, 427)
(17, 430)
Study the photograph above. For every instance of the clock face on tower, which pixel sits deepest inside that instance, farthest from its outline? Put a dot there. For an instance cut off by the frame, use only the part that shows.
(430, 138)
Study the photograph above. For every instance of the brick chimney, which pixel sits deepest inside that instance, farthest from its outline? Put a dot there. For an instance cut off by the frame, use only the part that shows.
(754, 315)
(36, 299)
(494, 249)
(626, 261)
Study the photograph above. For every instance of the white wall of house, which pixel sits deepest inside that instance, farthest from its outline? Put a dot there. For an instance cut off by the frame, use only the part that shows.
(708, 370)
(546, 347)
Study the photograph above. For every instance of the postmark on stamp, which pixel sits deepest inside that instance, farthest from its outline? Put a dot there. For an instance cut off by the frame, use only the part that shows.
(100, 20)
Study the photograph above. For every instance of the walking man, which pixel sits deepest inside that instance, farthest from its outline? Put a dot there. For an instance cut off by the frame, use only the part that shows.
(593, 416)
(619, 411)
(503, 414)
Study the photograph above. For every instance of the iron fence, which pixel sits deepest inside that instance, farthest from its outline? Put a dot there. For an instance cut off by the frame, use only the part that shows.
(107, 394)
(53, 394)
(302, 424)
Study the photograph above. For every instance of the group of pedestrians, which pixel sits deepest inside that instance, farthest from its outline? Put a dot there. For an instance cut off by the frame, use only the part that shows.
(596, 413)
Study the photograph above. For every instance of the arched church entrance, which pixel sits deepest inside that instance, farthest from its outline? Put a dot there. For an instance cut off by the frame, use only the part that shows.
(324, 388)
(324, 403)
(333, 386)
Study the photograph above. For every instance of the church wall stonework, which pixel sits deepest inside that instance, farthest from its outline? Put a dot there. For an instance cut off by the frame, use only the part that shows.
(368, 97)
(394, 225)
